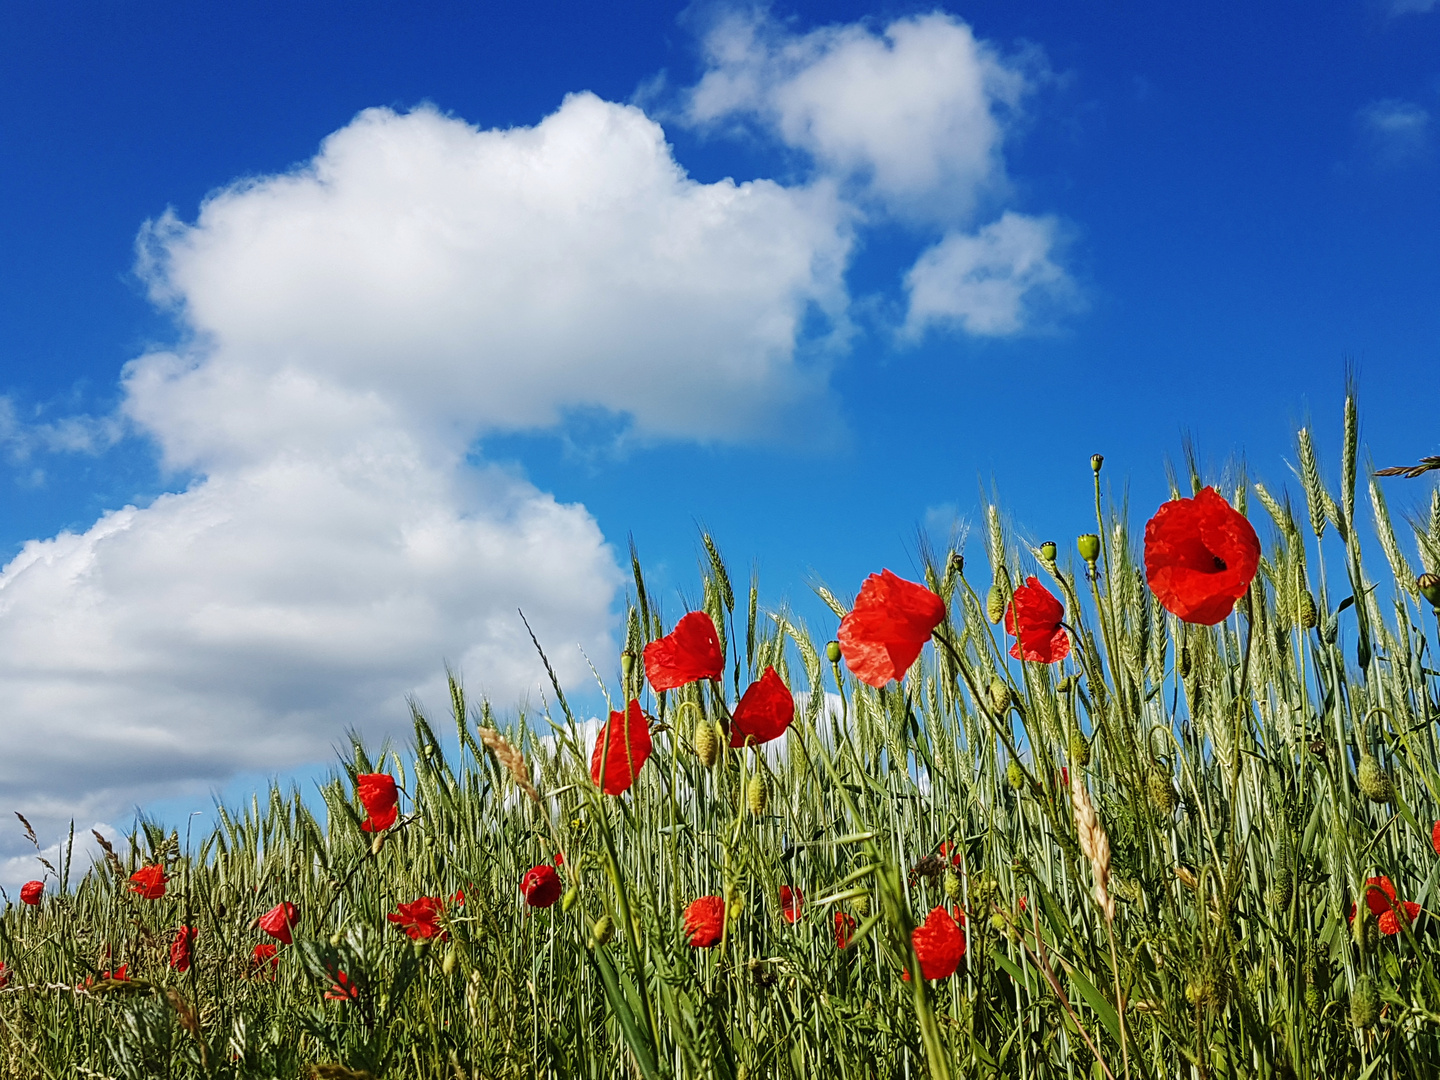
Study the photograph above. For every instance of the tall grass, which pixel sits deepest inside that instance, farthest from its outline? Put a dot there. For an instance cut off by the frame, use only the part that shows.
(1157, 844)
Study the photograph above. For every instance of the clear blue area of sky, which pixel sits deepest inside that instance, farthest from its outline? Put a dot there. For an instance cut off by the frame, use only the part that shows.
(1235, 231)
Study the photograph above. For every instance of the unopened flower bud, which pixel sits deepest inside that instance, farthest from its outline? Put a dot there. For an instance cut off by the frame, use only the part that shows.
(1374, 782)
(999, 696)
(953, 888)
(1088, 546)
(832, 651)
(1163, 796)
(627, 663)
(1014, 775)
(995, 603)
(707, 742)
(603, 930)
(1048, 551)
(1079, 749)
(757, 796)
(1364, 1003)
(448, 964)
(378, 843)
(571, 895)
(860, 905)
(1307, 615)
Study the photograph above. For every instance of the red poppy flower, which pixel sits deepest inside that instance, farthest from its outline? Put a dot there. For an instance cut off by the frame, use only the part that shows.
(280, 920)
(689, 652)
(31, 892)
(541, 886)
(261, 953)
(118, 975)
(180, 947)
(341, 988)
(149, 881)
(559, 859)
(951, 850)
(624, 744)
(1435, 838)
(378, 796)
(888, 626)
(792, 902)
(844, 928)
(705, 921)
(939, 944)
(1041, 638)
(4, 975)
(1200, 556)
(1388, 911)
(420, 919)
(459, 897)
(764, 712)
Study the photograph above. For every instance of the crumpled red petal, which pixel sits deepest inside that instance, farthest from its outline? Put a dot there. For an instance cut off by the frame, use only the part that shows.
(888, 626)
(1041, 640)
(624, 744)
(765, 711)
(705, 921)
(689, 652)
(939, 944)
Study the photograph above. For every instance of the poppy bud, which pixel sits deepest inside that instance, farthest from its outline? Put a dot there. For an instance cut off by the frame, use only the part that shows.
(707, 742)
(1375, 783)
(1283, 886)
(1088, 546)
(832, 651)
(737, 908)
(757, 796)
(953, 888)
(1048, 551)
(378, 843)
(1079, 749)
(860, 905)
(1096, 460)
(1014, 775)
(1429, 586)
(335, 940)
(571, 895)
(1307, 615)
(1163, 796)
(995, 603)
(1313, 1001)
(1364, 1003)
(447, 966)
(1183, 663)
(999, 696)
(603, 930)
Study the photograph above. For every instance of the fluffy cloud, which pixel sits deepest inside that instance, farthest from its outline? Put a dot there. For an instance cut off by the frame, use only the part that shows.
(988, 283)
(911, 122)
(350, 328)
(1398, 131)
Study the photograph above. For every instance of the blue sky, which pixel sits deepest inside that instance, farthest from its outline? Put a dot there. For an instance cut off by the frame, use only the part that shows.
(396, 391)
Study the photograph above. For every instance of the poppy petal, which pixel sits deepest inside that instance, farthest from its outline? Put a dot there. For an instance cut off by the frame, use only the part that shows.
(890, 623)
(689, 652)
(1037, 615)
(1200, 556)
(765, 711)
(622, 747)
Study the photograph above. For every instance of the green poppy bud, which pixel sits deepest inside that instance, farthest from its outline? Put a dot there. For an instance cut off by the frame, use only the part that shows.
(1374, 782)
(1089, 547)
(1079, 749)
(1163, 796)
(1096, 460)
(953, 889)
(1308, 615)
(832, 651)
(995, 603)
(707, 742)
(1014, 775)
(1182, 664)
(1364, 1003)
(571, 895)
(757, 796)
(603, 930)
(860, 905)
(1048, 550)
(627, 663)
(1429, 586)
(1000, 697)
(448, 965)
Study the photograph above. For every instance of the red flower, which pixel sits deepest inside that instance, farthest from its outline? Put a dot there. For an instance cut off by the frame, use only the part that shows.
(118, 975)
(952, 850)
(844, 927)
(888, 626)
(792, 902)
(459, 897)
(1435, 838)
(420, 919)
(262, 952)
(149, 881)
(4, 975)
(1380, 899)
(280, 920)
(624, 744)
(341, 988)
(541, 886)
(939, 944)
(180, 947)
(378, 796)
(689, 652)
(31, 892)
(1041, 640)
(1200, 556)
(705, 921)
(559, 859)
(764, 712)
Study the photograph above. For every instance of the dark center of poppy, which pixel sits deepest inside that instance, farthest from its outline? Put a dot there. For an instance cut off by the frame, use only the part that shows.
(1219, 563)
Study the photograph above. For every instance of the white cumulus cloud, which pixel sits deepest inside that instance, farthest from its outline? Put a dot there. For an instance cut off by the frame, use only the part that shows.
(347, 330)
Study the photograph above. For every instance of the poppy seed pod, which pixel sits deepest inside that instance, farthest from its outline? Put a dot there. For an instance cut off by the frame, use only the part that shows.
(1374, 782)
(1014, 775)
(627, 663)
(1088, 545)
(832, 651)
(603, 930)
(1163, 796)
(1429, 586)
(1079, 749)
(995, 603)
(1364, 1003)
(1048, 551)
(757, 795)
(707, 742)
(1096, 460)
